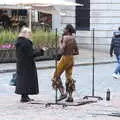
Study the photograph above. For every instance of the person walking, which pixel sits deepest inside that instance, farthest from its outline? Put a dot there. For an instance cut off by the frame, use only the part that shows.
(26, 79)
(68, 48)
(115, 47)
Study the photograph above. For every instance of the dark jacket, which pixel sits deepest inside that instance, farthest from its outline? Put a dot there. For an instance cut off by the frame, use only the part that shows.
(115, 44)
(27, 80)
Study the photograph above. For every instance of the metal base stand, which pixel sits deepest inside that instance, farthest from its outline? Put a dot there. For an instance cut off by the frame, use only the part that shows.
(50, 103)
(97, 97)
(63, 103)
(93, 71)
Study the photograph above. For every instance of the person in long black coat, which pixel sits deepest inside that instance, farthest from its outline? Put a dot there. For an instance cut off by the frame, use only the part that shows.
(27, 80)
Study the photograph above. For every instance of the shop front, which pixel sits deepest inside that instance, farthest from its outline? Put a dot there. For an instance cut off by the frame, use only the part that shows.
(14, 19)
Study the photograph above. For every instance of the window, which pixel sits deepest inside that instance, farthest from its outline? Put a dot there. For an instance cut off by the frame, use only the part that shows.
(83, 15)
(21, 12)
(45, 18)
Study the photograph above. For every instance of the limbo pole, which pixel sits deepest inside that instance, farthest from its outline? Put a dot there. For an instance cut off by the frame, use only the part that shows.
(93, 64)
(93, 69)
(56, 44)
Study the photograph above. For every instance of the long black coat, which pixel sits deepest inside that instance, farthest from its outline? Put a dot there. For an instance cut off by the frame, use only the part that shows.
(26, 81)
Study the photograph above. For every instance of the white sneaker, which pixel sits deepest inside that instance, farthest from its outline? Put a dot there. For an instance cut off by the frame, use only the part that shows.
(116, 76)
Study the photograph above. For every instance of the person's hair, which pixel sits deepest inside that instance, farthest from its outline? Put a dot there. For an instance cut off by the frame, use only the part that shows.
(70, 28)
(24, 30)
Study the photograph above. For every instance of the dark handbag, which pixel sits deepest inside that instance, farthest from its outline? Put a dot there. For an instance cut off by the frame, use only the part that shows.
(57, 55)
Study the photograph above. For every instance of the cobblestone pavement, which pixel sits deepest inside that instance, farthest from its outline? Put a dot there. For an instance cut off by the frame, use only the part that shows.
(12, 109)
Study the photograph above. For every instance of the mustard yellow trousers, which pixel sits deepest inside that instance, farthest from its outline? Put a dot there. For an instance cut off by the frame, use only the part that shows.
(64, 64)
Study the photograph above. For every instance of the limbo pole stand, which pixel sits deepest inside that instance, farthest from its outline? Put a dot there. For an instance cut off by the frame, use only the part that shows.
(93, 70)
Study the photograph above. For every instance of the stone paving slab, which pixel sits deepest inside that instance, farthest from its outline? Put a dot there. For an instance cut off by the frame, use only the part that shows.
(12, 109)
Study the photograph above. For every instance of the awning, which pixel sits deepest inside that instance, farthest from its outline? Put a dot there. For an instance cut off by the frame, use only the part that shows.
(39, 2)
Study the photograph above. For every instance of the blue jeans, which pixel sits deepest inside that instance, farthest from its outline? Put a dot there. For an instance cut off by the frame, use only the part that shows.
(117, 70)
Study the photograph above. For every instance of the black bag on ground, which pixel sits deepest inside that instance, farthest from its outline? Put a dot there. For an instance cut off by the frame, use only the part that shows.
(13, 80)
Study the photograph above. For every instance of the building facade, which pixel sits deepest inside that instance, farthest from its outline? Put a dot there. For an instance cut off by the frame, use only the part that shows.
(101, 16)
